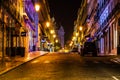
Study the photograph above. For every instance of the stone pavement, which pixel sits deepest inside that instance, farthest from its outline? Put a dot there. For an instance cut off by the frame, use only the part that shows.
(12, 63)
(116, 59)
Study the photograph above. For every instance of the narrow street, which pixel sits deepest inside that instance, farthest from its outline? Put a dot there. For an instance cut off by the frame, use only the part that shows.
(41, 39)
(65, 66)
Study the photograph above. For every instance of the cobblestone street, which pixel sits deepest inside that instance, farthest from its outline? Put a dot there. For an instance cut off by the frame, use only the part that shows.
(59, 66)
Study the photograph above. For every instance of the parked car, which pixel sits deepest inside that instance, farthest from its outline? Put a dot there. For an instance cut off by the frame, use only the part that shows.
(89, 48)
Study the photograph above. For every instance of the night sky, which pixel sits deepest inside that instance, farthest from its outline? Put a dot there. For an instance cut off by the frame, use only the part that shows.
(65, 13)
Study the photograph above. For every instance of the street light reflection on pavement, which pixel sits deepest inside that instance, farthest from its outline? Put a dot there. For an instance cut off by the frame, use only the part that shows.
(64, 50)
(35, 61)
(46, 61)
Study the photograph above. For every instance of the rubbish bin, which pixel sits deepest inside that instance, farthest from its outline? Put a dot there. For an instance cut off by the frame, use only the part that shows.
(21, 51)
(10, 51)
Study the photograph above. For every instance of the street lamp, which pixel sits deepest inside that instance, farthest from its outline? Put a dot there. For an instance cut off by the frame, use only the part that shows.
(56, 41)
(54, 36)
(47, 24)
(52, 31)
(71, 43)
(77, 37)
(36, 20)
(77, 34)
(37, 7)
(80, 28)
(73, 38)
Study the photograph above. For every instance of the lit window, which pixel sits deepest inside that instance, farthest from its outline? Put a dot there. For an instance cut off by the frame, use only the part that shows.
(104, 15)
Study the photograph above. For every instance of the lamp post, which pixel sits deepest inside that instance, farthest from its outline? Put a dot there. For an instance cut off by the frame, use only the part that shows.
(71, 43)
(51, 32)
(56, 42)
(77, 37)
(80, 29)
(73, 39)
(54, 36)
(47, 25)
(36, 20)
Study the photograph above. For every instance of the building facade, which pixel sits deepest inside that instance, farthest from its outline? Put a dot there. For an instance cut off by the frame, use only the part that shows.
(61, 36)
(80, 22)
(102, 25)
(108, 18)
(11, 22)
(21, 26)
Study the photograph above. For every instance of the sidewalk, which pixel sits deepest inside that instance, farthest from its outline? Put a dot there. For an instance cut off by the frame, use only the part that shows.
(10, 64)
(116, 59)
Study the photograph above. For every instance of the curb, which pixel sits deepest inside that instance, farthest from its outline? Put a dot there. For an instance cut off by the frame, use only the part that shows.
(116, 60)
(17, 65)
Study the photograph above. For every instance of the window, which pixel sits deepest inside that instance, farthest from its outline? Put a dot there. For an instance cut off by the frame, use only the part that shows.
(104, 15)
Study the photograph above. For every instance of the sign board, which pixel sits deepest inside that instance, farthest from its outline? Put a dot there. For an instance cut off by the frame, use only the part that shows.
(23, 33)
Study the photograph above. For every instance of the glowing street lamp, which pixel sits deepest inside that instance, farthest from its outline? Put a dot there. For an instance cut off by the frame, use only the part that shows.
(54, 36)
(36, 20)
(73, 38)
(37, 7)
(77, 37)
(47, 24)
(70, 44)
(52, 31)
(77, 34)
(80, 28)
(56, 41)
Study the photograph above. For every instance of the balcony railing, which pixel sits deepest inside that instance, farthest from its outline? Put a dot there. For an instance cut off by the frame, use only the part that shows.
(115, 9)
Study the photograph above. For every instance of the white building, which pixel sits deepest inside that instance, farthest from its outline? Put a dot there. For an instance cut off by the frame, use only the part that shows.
(61, 36)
